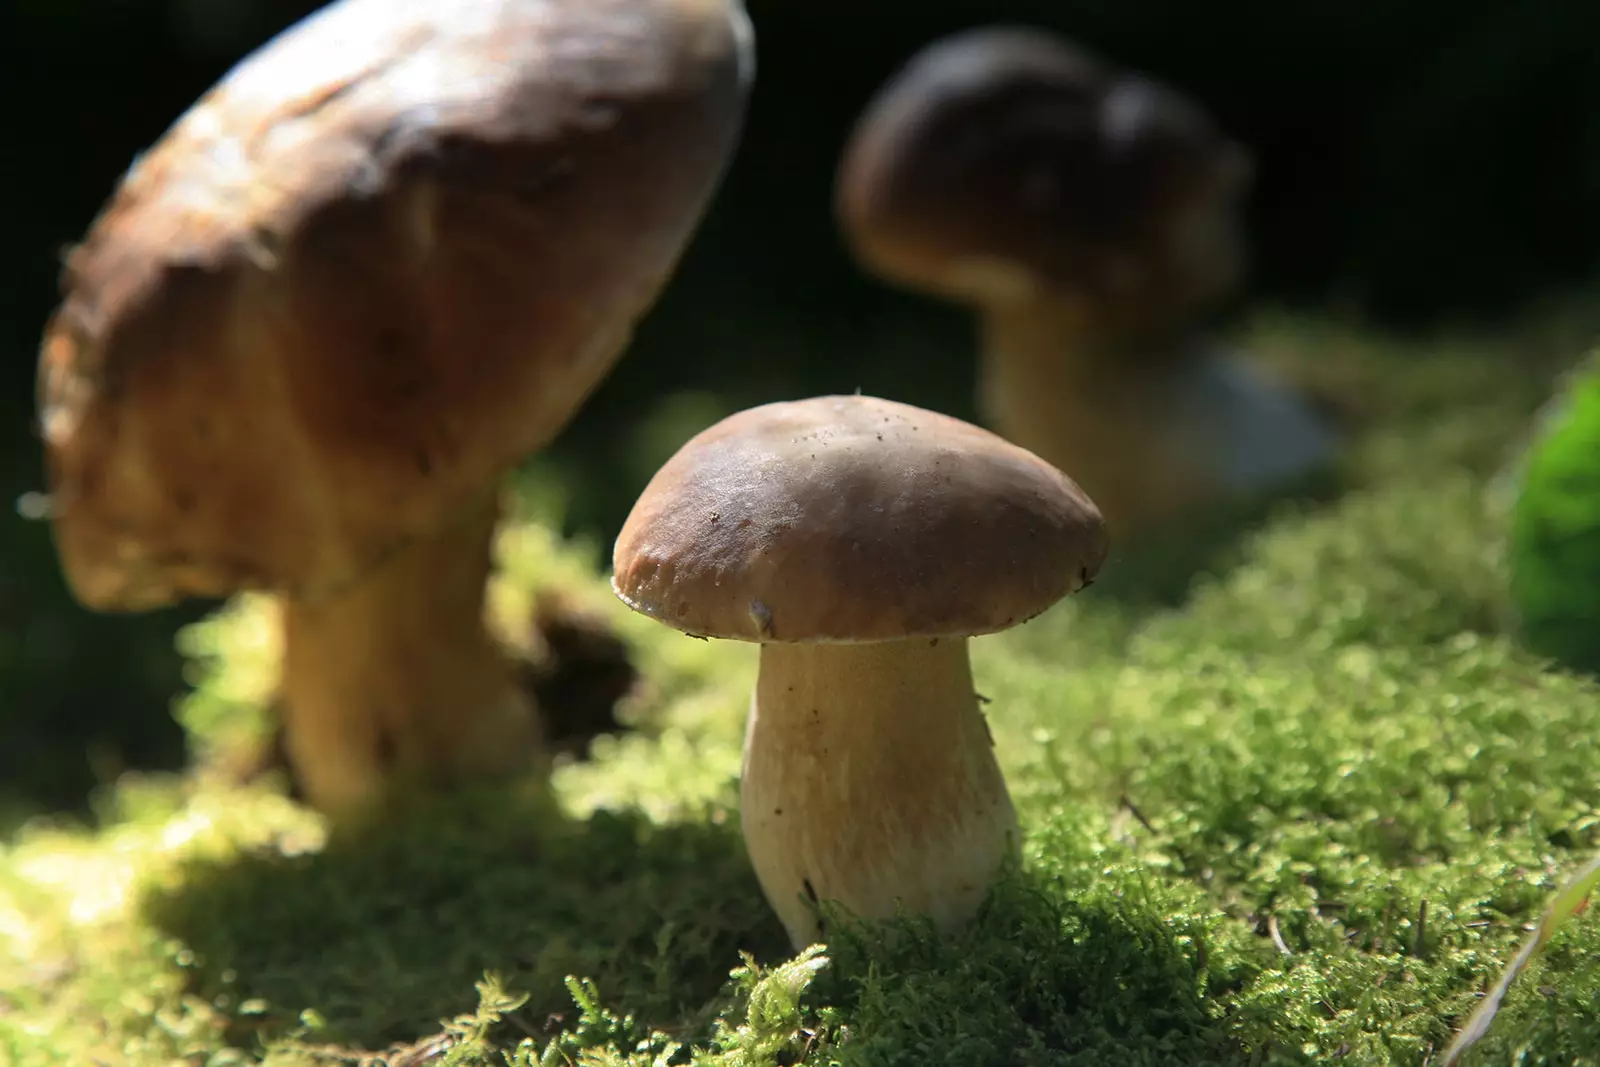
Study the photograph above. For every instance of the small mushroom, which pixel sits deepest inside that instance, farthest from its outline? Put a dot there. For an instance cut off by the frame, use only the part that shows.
(861, 542)
(388, 255)
(1088, 215)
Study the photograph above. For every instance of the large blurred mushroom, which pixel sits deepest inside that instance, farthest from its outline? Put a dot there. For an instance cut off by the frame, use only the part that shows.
(1088, 215)
(861, 542)
(388, 255)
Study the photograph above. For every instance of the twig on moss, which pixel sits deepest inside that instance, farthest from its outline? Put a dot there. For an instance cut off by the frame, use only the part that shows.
(1573, 899)
(1133, 809)
(1277, 937)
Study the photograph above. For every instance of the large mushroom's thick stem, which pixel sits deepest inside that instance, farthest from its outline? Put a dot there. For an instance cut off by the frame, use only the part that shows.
(870, 779)
(395, 682)
(1102, 406)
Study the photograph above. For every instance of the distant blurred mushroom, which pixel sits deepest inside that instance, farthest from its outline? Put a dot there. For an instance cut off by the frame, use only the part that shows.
(861, 542)
(385, 257)
(1088, 215)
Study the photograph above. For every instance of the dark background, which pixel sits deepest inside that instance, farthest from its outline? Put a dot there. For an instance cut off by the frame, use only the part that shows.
(1419, 163)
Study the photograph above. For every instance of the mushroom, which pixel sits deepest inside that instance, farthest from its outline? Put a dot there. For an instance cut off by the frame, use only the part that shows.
(1088, 215)
(861, 542)
(387, 256)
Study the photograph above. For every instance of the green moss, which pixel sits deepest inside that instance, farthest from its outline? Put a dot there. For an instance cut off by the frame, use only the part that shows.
(1555, 547)
(1300, 816)
(1402, 566)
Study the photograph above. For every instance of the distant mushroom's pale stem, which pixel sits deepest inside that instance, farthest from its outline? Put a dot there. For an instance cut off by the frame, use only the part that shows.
(870, 777)
(1094, 403)
(395, 681)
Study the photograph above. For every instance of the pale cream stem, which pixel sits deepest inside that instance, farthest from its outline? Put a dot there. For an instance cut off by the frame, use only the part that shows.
(870, 779)
(395, 681)
(1100, 407)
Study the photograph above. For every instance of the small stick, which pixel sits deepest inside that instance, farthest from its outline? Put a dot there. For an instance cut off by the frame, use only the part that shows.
(1133, 809)
(1277, 937)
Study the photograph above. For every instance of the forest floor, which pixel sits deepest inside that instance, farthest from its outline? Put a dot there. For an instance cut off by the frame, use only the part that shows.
(1300, 809)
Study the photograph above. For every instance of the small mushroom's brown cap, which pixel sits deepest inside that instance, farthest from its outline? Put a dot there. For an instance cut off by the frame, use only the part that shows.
(1004, 163)
(387, 255)
(849, 518)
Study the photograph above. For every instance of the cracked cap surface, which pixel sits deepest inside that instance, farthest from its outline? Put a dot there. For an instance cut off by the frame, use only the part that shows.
(852, 518)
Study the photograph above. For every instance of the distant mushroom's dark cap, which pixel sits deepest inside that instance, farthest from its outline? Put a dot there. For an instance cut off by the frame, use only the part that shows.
(851, 518)
(1005, 160)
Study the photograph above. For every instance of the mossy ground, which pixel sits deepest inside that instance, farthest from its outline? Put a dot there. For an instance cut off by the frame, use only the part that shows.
(1299, 812)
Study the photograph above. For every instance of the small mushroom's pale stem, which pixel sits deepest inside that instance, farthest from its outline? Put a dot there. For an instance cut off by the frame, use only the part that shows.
(1102, 408)
(870, 779)
(395, 682)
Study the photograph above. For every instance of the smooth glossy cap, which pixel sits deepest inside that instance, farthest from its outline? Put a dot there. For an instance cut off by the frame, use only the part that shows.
(386, 256)
(1002, 164)
(850, 518)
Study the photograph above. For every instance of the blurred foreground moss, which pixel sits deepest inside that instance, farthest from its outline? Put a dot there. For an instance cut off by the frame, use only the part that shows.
(1302, 817)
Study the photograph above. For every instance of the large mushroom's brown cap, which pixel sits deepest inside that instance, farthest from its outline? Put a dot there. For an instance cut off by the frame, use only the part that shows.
(1003, 161)
(386, 256)
(849, 518)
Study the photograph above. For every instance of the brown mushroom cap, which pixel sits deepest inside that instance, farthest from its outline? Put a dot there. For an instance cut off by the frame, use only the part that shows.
(1003, 161)
(386, 256)
(850, 518)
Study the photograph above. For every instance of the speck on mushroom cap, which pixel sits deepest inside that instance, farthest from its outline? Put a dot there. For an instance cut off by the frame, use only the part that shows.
(1004, 160)
(850, 518)
(387, 255)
